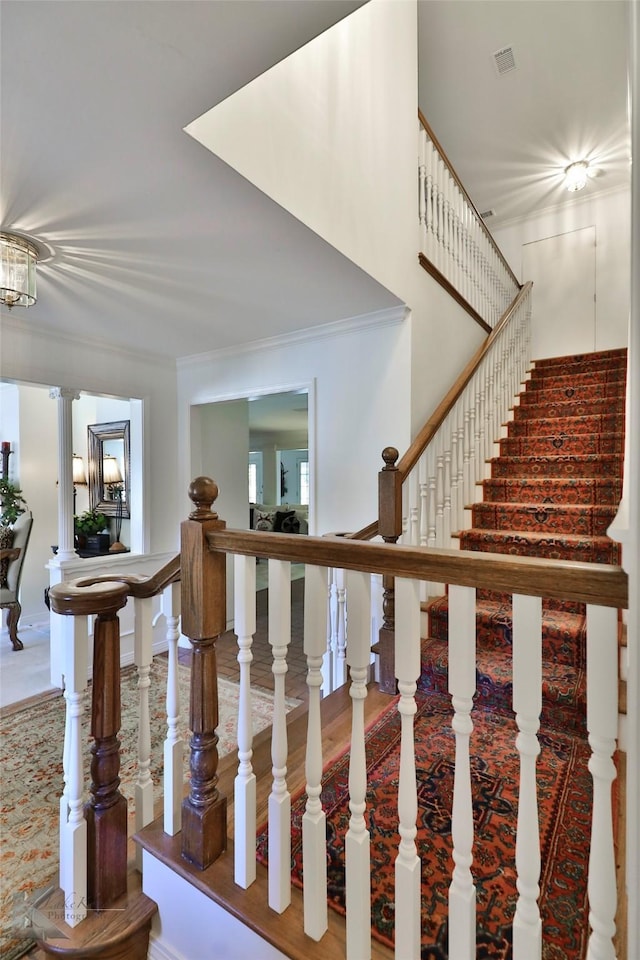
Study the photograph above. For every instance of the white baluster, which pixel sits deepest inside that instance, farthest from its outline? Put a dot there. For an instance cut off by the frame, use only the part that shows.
(440, 542)
(468, 473)
(602, 725)
(527, 704)
(328, 662)
(414, 528)
(173, 776)
(460, 494)
(453, 471)
(462, 686)
(357, 854)
(244, 788)
(341, 656)
(142, 655)
(430, 249)
(314, 837)
(407, 866)
(424, 501)
(279, 798)
(73, 826)
(446, 510)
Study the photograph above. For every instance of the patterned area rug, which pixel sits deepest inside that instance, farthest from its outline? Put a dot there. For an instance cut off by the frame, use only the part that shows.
(564, 786)
(31, 777)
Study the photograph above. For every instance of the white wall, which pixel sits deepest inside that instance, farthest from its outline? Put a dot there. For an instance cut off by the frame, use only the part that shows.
(337, 124)
(359, 396)
(610, 214)
(32, 358)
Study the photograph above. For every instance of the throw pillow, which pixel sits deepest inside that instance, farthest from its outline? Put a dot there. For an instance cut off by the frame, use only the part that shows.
(286, 522)
(264, 521)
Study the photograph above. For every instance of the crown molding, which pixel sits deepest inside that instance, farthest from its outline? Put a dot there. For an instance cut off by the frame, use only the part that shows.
(325, 331)
(556, 208)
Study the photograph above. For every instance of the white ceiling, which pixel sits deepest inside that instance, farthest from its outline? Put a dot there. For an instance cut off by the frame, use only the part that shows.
(152, 233)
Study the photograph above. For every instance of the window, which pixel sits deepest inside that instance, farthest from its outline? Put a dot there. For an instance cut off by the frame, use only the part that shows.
(253, 483)
(303, 480)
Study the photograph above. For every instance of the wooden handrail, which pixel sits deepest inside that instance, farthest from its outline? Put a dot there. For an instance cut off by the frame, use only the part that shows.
(455, 294)
(455, 176)
(584, 582)
(437, 418)
(68, 597)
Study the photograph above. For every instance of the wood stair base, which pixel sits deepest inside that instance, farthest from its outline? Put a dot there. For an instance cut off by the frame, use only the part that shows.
(284, 931)
(118, 933)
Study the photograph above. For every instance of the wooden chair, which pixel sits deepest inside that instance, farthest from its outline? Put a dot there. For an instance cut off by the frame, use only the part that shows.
(9, 593)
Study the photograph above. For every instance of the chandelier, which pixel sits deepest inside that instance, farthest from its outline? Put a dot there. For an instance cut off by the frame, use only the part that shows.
(18, 257)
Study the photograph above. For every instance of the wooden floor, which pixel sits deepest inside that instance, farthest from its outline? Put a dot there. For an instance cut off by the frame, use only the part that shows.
(284, 931)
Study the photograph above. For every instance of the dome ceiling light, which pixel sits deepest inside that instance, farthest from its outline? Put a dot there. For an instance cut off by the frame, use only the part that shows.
(576, 175)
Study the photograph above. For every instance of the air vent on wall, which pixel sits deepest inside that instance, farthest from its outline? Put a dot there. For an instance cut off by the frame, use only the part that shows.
(487, 213)
(504, 61)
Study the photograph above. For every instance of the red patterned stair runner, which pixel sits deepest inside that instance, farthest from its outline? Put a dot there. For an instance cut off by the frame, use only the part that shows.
(553, 492)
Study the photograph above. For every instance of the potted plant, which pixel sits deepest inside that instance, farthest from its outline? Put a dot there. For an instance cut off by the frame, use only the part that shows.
(12, 504)
(88, 529)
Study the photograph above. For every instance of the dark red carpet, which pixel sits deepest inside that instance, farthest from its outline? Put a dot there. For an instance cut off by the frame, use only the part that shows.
(564, 785)
(554, 490)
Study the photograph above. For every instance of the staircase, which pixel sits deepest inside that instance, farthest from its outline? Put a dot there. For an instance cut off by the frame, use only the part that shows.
(553, 492)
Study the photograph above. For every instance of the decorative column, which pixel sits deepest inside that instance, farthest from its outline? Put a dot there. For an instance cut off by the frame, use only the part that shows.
(65, 396)
(203, 572)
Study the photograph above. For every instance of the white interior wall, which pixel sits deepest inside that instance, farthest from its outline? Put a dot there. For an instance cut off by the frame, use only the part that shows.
(610, 215)
(341, 114)
(337, 126)
(361, 397)
(38, 475)
(35, 358)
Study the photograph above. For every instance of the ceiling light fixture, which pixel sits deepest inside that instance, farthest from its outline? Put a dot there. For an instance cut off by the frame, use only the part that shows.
(576, 175)
(18, 257)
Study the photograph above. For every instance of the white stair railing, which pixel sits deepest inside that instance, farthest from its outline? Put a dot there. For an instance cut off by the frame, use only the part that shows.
(454, 237)
(441, 484)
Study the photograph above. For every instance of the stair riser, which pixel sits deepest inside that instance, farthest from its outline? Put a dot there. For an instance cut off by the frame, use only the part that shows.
(550, 426)
(584, 361)
(551, 547)
(568, 408)
(560, 381)
(543, 490)
(577, 467)
(594, 391)
(582, 521)
(580, 444)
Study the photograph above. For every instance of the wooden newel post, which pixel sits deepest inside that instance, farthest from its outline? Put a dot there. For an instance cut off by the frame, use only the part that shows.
(106, 809)
(390, 529)
(204, 811)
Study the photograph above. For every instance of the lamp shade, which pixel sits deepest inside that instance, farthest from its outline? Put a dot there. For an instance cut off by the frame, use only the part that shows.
(111, 471)
(18, 258)
(79, 477)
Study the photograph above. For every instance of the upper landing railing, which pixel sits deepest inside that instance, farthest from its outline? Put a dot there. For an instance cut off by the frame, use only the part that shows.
(457, 248)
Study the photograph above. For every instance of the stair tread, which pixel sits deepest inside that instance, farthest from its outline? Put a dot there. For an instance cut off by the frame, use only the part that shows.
(529, 534)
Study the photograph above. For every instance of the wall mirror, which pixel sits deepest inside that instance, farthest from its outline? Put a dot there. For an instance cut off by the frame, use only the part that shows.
(109, 467)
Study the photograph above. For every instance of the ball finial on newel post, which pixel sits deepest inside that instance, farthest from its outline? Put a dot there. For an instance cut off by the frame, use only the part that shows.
(203, 491)
(390, 456)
